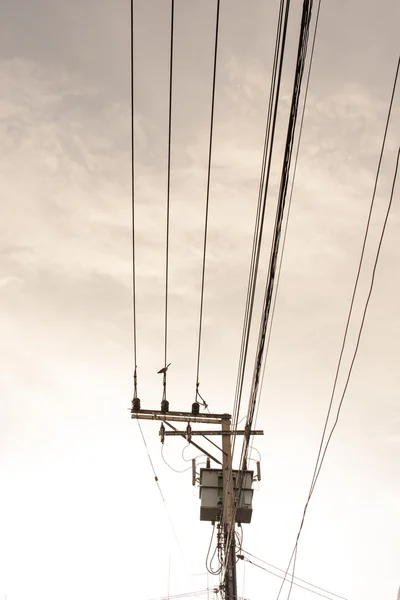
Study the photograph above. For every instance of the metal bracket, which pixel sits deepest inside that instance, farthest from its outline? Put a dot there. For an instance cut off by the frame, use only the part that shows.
(213, 432)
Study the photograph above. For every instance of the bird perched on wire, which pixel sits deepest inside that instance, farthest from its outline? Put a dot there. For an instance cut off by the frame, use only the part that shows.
(163, 370)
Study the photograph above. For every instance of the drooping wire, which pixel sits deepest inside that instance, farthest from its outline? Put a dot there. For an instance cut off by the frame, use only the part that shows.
(321, 451)
(244, 578)
(361, 261)
(150, 460)
(168, 191)
(161, 494)
(293, 582)
(298, 578)
(135, 392)
(210, 146)
(209, 561)
(289, 207)
(168, 465)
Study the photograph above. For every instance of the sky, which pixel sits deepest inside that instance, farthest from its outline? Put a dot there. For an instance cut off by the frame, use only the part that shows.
(81, 515)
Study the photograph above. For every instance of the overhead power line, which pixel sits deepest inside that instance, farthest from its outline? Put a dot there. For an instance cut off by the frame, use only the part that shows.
(270, 281)
(186, 595)
(322, 450)
(161, 493)
(301, 55)
(278, 278)
(280, 45)
(210, 147)
(269, 138)
(132, 99)
(321, 589)
(300, 62)
(294, 582)
(168, 185)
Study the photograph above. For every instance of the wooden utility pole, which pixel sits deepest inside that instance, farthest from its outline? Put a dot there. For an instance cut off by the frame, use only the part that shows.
(229, 587)
(228, 508)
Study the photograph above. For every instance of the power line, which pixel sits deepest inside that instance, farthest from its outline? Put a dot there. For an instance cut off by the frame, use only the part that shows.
(361, 260)
(186, 595)
(261, 206)
(289, 204)
(298, 578)
(300, 62)
(161, 494)
(168, 186)
(322, 453)
(293, 582)
(280, 45)
(132, 99)
(203, 271)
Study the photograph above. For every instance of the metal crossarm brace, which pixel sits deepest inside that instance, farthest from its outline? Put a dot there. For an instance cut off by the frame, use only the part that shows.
(214, 432)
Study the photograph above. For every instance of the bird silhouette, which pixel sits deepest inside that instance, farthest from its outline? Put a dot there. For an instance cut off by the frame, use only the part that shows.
(163, 370)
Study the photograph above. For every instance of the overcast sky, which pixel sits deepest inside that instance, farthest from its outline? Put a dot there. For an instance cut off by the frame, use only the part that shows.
(80, 514)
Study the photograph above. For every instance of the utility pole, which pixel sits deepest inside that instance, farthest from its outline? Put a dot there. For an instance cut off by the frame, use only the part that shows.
(227, 511)
(217, 504)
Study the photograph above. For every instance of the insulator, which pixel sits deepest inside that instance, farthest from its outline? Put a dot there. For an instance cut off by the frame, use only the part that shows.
(195, 408)
(162, 433)
(136, 404)
(164, 406)
(245, 465)
(258, 470)
(188, 433)
(208, 463)
(193, 471)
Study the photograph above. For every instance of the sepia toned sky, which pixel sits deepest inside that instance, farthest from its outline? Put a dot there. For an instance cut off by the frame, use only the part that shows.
(80, 514)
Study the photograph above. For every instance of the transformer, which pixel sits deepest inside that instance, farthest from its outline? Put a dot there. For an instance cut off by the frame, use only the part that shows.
(211, 495)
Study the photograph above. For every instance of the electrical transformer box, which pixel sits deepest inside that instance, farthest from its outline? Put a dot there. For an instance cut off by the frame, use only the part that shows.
(211, 495)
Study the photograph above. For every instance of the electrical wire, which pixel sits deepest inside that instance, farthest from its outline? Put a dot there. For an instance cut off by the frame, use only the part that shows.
(209, 562)
(293, 582)
(168, 186)
(362, 320)
(300, 62)
(193, 457)
(280, 45)
(289, 205)
(161, 494)
(302, 48)
(244, 578)
(316, 472)
(321, 452)
(132, 99)
(168, 465)
(186, 595)
(261, 206)
(255, 449)
(298, 578)
(203, 270)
